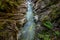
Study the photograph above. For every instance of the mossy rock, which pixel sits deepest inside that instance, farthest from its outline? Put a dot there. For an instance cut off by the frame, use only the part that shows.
(55, 13)
(9, 5)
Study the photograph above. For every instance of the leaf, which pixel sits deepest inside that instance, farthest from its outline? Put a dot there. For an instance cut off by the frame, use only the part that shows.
(48, 24)
(57, 32)
(44, 36)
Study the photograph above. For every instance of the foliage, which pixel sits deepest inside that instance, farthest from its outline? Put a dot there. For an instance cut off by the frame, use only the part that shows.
(55, 13)
(57, 33)
(44, 35)
(48, 24)
(50, 21)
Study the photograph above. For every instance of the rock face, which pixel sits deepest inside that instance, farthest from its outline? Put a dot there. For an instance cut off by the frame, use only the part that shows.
(46, 12)
(11, 19)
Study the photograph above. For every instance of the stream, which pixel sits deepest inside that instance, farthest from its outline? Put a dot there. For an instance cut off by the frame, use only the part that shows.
(28, 31)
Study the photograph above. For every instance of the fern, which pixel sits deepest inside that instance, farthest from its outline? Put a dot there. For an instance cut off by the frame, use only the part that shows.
(48, 24)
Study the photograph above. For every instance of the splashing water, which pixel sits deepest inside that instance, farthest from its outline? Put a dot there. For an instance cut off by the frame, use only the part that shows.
(28, 30)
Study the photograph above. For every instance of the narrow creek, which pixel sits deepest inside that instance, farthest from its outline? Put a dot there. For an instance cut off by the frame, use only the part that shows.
(28, 31)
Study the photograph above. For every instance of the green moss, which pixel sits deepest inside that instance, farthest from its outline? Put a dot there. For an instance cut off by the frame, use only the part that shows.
(1, 24)
(1, 27)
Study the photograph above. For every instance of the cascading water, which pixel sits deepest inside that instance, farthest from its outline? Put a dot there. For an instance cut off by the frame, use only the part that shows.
(28, 30)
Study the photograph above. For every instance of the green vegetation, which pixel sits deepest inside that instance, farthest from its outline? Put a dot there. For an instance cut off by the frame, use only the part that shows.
(9, 5)
(48, 24)
(44, 36)
(57, 33)
(47, 29)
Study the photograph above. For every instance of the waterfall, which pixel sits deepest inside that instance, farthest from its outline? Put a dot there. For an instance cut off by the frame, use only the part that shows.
(28, 30)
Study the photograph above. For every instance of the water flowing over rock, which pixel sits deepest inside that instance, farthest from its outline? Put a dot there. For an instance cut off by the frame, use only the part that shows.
(28, 31)
(13, 18)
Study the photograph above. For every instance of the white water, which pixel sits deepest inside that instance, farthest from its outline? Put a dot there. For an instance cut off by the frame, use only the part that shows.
(28, 30)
